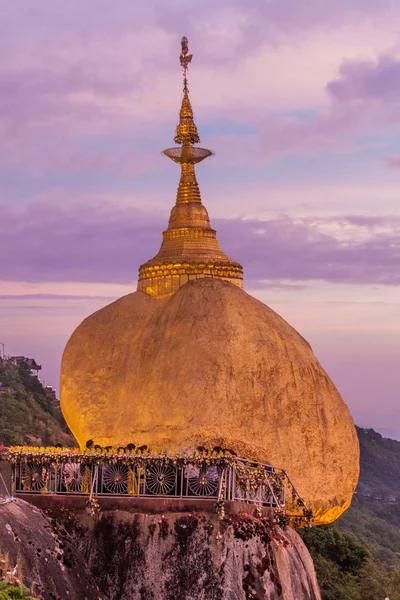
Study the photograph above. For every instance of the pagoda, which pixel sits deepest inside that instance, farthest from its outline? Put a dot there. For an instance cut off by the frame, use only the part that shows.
(190, 249)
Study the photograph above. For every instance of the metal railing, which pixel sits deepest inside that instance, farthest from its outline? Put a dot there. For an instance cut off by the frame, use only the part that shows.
(146, 481)
(225, 478)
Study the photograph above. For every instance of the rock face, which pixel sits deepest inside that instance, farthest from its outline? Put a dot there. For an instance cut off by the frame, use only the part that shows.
(177, 555)
(211, 365)
(155, 557)
(51, 565)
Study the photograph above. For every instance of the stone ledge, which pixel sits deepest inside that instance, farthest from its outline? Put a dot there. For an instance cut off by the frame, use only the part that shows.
(139, 505)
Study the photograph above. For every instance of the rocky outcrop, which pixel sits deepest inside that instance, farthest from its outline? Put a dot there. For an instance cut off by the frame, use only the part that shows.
(192, 557)
(50, 564)
(120, 555)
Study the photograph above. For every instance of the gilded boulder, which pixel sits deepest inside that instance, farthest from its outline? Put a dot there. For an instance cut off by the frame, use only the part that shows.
(211, 366)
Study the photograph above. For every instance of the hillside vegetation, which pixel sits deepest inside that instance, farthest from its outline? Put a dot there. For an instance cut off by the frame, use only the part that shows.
(380, 465)
(358, 558)
(27, 414)
(374, 516)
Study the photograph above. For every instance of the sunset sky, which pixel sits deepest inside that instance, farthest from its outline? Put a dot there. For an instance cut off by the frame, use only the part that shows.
(300, 100)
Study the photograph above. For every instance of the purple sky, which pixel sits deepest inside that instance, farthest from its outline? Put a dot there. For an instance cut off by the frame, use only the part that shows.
(301, 103)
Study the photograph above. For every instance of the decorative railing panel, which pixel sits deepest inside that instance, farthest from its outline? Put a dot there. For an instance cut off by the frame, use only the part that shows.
(218, 478)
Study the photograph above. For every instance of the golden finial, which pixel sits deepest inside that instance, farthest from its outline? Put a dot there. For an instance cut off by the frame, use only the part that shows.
(185, 59)
(186, 131)
(190, 249)
(186, 135)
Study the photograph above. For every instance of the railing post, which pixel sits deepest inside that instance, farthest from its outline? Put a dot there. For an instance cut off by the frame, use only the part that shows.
(229, 484)
(14, 479)
(96, 479)
(225, 483)
(272, 492)
(221, 483)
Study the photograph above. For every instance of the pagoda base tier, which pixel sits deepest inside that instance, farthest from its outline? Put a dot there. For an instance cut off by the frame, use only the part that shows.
(164, 280)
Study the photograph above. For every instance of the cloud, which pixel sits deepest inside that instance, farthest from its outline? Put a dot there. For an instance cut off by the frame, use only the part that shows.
(22, 297)
(301, 250)
(331, 131)
(373, 221)
(366, 81)
(45, 308)
(107, 243)
(74, 76)
(364, 99)
(392, 161)
(97, 22)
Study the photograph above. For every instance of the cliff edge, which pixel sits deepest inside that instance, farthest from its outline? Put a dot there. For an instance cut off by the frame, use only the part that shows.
(121, 555)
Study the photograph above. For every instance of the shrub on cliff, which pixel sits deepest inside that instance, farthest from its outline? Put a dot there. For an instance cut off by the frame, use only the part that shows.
(14, 592)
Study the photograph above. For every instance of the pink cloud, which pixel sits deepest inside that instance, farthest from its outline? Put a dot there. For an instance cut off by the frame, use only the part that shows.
(74, 72)
(328, 132)
(368, 81)
(392, 161)
(365, 98)
(99, 242)
(125, 159)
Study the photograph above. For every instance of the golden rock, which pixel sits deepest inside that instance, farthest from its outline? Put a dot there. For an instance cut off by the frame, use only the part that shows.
(211, 366)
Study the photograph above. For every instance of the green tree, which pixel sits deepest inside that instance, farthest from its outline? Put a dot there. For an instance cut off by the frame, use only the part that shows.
(334, 545)
(375, 583)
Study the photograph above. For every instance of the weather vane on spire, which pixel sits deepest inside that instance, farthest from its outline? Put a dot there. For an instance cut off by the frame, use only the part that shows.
(185, 59)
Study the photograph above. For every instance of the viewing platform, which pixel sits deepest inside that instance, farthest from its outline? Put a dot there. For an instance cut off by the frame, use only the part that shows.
(120, 478)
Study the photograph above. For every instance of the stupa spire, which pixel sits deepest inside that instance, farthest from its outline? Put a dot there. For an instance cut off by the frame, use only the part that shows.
(187, 135)
(186, 131)
(189, 249)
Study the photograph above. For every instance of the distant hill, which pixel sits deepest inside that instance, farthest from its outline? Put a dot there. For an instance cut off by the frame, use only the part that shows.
(374, 516)
(358, 558)
(380, 465)
(28, 414)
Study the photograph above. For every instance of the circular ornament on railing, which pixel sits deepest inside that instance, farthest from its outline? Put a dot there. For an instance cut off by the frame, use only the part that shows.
(160, 479)
(34, 477)
(115, 479)
(203, 482)
(73, 476)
